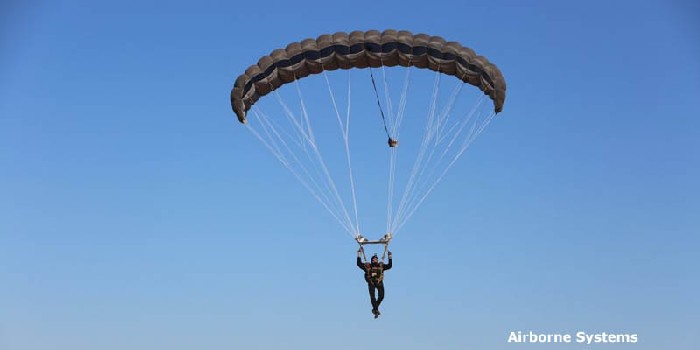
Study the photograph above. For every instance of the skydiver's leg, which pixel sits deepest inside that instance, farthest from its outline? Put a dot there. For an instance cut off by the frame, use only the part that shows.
(372, 288)
(380, 290)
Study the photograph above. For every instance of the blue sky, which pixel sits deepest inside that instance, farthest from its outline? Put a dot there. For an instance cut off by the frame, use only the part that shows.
(137, 213)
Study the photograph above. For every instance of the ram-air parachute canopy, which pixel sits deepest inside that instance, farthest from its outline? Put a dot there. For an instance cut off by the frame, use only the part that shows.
(361, 50)
(439, 127)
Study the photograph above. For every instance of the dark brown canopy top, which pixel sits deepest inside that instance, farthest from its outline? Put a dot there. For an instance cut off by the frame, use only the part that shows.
(361, 50)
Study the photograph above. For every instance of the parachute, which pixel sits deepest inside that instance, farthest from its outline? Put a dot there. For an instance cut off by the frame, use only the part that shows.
(292, 140)
(361, 50)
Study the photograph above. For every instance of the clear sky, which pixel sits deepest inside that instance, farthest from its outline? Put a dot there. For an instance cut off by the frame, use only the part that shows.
(137, 213)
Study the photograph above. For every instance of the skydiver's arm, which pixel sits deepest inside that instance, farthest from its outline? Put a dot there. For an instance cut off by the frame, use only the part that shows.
(389, 264)
(360, 264)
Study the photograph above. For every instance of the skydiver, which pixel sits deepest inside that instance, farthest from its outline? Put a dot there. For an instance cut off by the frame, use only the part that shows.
(374, 276)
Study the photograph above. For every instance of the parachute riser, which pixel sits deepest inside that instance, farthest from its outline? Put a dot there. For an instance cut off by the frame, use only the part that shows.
(362, 241)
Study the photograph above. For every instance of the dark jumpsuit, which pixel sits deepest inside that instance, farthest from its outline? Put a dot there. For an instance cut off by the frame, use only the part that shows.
(372, 285)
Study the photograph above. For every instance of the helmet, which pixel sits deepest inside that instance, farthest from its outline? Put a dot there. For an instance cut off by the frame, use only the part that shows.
(374, 257)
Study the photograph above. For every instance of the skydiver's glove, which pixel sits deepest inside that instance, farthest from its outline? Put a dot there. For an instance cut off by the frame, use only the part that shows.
(359, 253)
(389, 255)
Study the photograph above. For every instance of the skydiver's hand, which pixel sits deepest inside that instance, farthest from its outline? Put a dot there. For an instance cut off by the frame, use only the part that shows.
(389, 255)
(359, 253)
